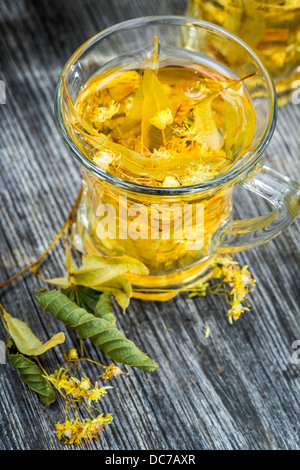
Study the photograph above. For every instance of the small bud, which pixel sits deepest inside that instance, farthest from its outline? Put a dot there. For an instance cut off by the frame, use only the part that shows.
(71, 355)
(84, 384)
(162, 119)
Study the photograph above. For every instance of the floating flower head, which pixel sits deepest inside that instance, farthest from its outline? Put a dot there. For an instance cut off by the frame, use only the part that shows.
(162, 119)
(104, 113)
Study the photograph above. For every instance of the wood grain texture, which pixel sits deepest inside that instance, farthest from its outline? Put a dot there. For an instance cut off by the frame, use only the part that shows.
(236, 389)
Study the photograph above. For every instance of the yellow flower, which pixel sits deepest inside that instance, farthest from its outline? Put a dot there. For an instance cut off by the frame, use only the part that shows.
(112, 371)
(71, 355)
(96, 393)
(104, 158)
(246, 278)
(66, 430)
(236, 310)
(239, 281)
(162, 119)
(222, 267)
(103, 113)
(76, 388)
(164, 153)
(189, 133)
(84, 384)
(197, 174)
(73, 386)
(59, 379)
(74, 431)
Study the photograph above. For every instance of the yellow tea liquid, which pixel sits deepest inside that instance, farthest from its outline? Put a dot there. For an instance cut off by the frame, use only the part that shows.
(163, 124)
(270, 27)
(178, 125)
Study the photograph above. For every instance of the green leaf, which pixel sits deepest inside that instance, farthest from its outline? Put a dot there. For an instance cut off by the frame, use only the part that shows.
(26, 342)
(99, 304)
(87, 298)
(101, 332)
(31, 374)
(120, 288)
(104, 309)
(96, 270)
(102, 274)
(84, 297)
(62, 282)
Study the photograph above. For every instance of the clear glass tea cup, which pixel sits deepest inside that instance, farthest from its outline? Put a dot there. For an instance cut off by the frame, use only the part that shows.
(175, 262)
(270, 27)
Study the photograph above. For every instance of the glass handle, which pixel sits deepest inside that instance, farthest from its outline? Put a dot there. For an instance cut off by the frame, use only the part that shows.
(282, 192)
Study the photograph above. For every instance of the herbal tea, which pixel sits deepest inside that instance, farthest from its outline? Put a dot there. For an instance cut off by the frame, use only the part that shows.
(164, 130)
(270, 27)
(172, 124)
(163, 124)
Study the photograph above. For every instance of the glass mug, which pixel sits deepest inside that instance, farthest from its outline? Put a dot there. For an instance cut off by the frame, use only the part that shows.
(270, 27)
(176, 263)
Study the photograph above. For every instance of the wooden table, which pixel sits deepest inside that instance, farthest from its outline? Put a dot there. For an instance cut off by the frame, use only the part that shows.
(236, 389)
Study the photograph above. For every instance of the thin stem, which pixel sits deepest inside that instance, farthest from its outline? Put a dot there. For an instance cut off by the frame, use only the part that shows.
(57, 237)
(88, 411)
(2, 318)
(68, 248)
(94, 362)
(81, 348)
(66, 412)
(231, 84)
(41, 367)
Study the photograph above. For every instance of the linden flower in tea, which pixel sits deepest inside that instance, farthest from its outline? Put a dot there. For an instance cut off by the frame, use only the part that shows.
(166, 123)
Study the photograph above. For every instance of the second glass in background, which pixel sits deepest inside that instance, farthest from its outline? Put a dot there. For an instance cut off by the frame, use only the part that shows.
(270, 27)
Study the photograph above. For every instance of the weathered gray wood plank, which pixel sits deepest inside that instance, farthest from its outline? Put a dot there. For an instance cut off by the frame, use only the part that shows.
(235, 390)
